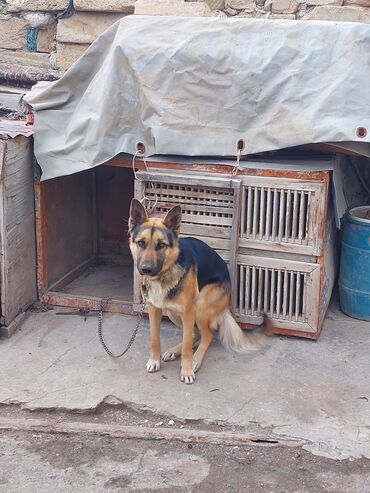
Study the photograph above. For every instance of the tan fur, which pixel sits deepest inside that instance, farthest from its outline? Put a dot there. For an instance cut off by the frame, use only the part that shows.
(198, 313)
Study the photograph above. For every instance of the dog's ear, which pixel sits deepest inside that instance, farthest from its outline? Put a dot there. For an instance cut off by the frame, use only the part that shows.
(138, 214)
(172, 220)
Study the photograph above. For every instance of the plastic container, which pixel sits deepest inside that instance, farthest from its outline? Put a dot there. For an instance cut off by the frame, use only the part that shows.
(354, 277)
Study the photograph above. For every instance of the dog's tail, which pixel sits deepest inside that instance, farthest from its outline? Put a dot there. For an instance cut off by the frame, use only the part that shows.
(234, 339)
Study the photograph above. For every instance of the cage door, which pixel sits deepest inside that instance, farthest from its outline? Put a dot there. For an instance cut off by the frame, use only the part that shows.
(210, 209)
(287, 291)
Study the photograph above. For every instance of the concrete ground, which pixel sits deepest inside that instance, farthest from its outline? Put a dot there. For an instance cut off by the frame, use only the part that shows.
(42, 463)
(317, 392)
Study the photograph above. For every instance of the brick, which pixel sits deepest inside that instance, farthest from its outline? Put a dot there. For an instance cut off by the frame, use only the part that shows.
(284, 6)
(124, 6)
(83, 27)
(25, 58)
(324, 2)
(241, 4)
(340, 14)
(36, 5)
(68, 53)
(172, 7)
(46, 38)
(13, 33)
(362, 3)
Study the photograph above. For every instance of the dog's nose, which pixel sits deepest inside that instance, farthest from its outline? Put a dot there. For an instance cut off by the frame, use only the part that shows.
(146, 269)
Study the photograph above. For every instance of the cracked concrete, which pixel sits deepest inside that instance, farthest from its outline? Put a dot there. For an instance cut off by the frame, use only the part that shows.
(318, 392)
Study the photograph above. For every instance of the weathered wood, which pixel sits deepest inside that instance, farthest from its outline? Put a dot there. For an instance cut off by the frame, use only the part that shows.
(281, 298)
(41, 246)
(187, 179)
(89, 302)
(18, 264)
(234, 244)
(69, 223)
(281, 225)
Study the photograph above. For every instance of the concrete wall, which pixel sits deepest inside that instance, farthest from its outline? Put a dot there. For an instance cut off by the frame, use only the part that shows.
(49, 34)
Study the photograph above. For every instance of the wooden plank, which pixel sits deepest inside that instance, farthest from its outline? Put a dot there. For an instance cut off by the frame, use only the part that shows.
(276, 263)
(282, 182)
(18, 289)
(234, 239)
(42, 274)
(206, 231)
(189, 178)
(69, 235)
(286, 327)
(192, 194)
(89, 302)
(276, 246)
(94, 209)
(196, 207)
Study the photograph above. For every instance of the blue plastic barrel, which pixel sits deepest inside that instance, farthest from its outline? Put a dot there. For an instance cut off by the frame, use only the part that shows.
(354, 277)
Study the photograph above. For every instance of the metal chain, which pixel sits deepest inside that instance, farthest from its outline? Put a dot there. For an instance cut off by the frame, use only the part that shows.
(132, 339)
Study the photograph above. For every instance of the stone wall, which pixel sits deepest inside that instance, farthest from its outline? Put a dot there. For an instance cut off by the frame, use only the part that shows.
(52, 34)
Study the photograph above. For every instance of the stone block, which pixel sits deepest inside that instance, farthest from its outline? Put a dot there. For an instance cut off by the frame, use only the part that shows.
(340, 14)
(84, 27)
(68, 53)
(124, 6)
(241, 4)
(36, 5)
(172, 7)
(13, 33)
(324, 2)
(362, 3)
(25, 58)
(46, 38)
(215, 4)
(284, 6)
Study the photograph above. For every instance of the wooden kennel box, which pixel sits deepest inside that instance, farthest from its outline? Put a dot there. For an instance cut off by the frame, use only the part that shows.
(271, 223)
(17, 226)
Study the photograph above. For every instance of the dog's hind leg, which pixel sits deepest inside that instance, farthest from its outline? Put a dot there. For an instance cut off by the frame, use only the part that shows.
(174, 352)
(212, 302)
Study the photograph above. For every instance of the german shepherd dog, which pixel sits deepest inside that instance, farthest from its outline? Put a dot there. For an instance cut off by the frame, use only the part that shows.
(189, 282)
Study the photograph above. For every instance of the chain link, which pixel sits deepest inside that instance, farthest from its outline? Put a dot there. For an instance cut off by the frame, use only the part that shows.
(132, 339)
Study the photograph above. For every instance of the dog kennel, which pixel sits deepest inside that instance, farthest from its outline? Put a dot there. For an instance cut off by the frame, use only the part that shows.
(271, 222)
(201, 87)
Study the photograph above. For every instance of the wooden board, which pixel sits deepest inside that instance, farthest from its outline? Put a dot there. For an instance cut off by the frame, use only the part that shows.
(115, 189)
(68, 222)
(18, 250)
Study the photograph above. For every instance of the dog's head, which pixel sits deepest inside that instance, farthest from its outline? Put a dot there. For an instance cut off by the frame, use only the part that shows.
(153, 241)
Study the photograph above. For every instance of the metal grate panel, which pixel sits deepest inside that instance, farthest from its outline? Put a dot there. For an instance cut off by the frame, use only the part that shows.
(286, 291)
(201, 206)
(282, 216)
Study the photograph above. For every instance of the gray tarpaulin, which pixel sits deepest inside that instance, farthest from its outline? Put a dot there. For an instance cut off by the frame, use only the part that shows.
(195, 86)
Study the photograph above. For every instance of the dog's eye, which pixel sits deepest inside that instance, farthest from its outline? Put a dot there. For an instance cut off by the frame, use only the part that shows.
(141, 243)
(161, 245)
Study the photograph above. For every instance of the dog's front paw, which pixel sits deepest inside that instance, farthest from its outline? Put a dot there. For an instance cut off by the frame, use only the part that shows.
(187, 376)
(153, 365)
